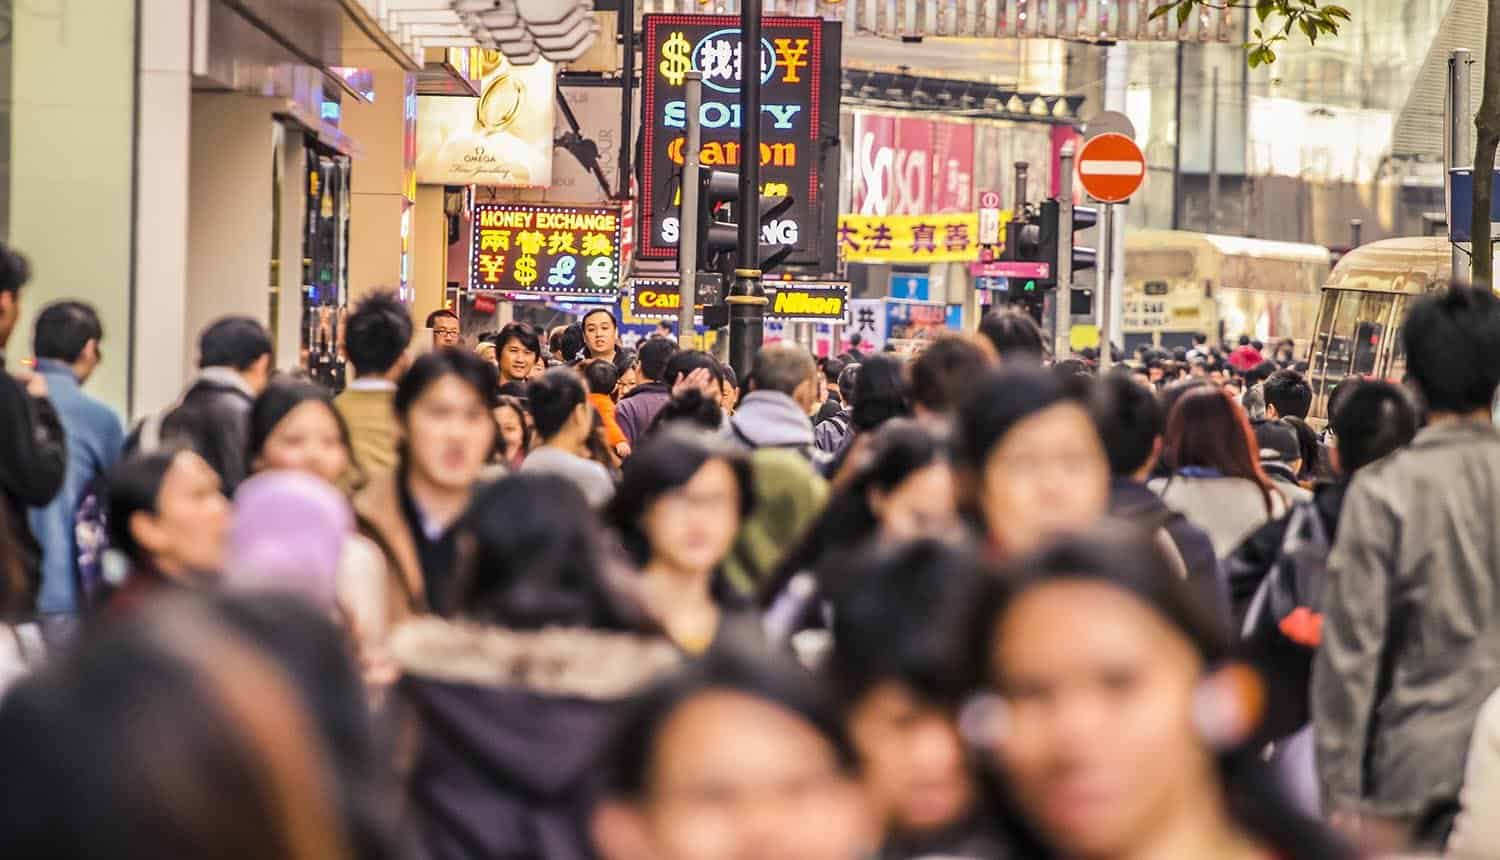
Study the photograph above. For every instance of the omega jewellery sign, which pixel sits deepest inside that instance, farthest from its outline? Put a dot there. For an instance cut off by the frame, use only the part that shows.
(560, 251)
(799, 109)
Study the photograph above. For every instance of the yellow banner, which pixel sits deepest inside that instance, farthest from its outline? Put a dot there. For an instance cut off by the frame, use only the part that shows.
(909, 238)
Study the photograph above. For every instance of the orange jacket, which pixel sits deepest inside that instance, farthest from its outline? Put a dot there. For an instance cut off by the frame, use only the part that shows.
(606, 409)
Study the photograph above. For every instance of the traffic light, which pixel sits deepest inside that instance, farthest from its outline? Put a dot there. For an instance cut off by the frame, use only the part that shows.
(1023, 239)
(716, 188)
(773, 253)
(1084, 217)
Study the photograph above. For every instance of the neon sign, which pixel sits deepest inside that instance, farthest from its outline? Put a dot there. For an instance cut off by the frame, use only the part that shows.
(561, 251)
(798, 117)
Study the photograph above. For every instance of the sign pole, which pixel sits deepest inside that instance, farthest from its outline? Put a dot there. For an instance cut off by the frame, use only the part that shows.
(1063, 330)
(1458, 149)
(1105, 288)
(687, 242)
(747, 298)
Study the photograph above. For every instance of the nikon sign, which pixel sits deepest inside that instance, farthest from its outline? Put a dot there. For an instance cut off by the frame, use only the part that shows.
(797, 301)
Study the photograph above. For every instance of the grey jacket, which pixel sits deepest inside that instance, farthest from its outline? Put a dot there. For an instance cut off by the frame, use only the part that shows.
(1411, 628)
(770, 419)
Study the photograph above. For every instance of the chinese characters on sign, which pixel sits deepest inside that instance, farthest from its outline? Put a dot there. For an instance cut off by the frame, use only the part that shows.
(551, 250)
(909, 238)
(799, 109)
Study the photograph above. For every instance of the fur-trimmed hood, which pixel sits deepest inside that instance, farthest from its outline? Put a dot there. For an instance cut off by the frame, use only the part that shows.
(564, 662)
(512, 728)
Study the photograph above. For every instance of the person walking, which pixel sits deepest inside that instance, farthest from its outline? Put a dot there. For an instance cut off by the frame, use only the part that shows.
(66, 342)
(376, 336)
(34, 460)
(234, 359)
(783, 393)
(1216, 479)
(564, 422)
(1411, 609)
(518, 348)
(446, 333)
(601, 335)
(637, 409)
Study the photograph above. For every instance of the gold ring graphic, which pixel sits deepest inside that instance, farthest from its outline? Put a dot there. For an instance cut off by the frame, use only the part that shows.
(501, 102)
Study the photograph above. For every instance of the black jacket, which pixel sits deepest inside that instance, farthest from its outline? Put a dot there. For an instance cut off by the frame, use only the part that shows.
(1134, 502)
(33, 465)
(1250, 563)
(214, 417)
(512, 727)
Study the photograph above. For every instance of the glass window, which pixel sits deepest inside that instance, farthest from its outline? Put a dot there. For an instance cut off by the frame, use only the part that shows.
(1319, 351)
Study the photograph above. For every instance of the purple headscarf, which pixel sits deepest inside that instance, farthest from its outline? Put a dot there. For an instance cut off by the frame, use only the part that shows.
(288, 535)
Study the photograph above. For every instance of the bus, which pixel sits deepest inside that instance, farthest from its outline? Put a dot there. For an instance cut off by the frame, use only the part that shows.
(1363, 304)
(1179, 283)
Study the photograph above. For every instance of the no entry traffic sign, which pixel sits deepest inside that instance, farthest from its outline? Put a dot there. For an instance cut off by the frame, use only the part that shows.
(1111, 168)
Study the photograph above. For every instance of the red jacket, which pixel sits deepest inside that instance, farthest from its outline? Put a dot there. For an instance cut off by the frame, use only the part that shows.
(1245, 357)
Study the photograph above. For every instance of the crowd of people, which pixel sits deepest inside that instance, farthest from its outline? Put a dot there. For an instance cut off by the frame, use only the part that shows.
(545, 596)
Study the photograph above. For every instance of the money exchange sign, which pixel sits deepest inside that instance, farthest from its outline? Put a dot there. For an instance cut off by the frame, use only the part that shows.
(799, 109)
(561, 251)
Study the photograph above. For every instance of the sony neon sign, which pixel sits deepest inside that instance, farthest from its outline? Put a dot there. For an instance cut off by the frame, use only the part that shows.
(799, 113)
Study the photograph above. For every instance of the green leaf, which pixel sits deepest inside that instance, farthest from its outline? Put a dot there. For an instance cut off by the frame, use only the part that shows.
(1162, 10)
(1337, 12)
(1255, 56)
(1184, 12)
(1308, 29)
(1269, 56)
(1263, 8)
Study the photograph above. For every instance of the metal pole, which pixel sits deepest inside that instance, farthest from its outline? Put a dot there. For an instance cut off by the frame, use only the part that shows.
(687, 242)
(1063, 331)
(627, 86)
(1459, 151)
(747, 298)
(1021, 169)
(1104, 289)
(1213, 156)
(1356, 227)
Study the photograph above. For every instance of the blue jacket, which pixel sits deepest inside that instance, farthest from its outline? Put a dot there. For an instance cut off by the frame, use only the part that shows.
(95, 437)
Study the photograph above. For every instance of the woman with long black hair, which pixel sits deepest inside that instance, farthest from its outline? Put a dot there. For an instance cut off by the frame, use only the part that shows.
(680, 504)
(1117, 717)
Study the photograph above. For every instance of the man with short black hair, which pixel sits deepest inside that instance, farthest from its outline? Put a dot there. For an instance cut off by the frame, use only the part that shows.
(1288, 395)
(1281, 457)
(34, 458)
(376, 337)
(1015, 336)
(66, 343)
(637, 409)
(1131, 424)
(1410, 630)
(446, 333)
(518, 347)
(234, 360)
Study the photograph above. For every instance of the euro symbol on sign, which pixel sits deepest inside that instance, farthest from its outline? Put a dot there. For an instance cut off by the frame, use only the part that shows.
(675, 62)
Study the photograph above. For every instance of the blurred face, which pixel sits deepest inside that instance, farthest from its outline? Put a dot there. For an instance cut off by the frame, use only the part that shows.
(309, 440)
(923, 505)
(512, 430)
(1099, 740)
(445, 333)
(186, 535)
(10, 311)
(729, 396)
(692, 528)
(737, 778)
(599, 335)
(449, 433)
(912, 760)
(628, 380)
(1047, 476)
(516, 361)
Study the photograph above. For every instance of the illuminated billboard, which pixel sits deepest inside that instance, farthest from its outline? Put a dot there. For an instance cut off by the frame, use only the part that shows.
(798, 123)
(503, 138)
(559, 251)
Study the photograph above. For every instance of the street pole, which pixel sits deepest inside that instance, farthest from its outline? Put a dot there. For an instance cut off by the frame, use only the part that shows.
(1105, 290)
(687, 241)
(1458, 149)
(1063, 329)
(627, 88)
(1022, 167)
(747, 298)
(1213, 156)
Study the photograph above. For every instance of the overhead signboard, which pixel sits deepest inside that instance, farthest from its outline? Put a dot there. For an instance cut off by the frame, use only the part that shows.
(799, 112)
(911, 165)
(503, 138)
(792, 301)
(1111, 167)
(909, 238)
(558, 251)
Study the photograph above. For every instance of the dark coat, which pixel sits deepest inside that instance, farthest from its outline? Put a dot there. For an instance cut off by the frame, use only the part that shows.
(214, 417)
(33, 465)
(636, 410)
(512, 725)
(1134, 502)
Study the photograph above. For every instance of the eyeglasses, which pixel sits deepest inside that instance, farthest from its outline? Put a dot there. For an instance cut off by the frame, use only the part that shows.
(453, 332)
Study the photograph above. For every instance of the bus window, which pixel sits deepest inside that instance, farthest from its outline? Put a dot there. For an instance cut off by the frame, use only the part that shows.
(1395, 371)
(1367, 339)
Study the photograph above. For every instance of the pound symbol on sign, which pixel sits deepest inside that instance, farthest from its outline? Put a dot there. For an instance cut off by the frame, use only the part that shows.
(562, 274)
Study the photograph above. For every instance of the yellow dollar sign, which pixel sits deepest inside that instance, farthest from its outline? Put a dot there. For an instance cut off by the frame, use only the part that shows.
(526, 271)
(675, 63)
